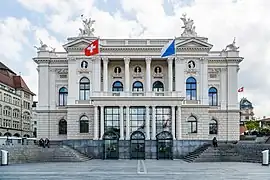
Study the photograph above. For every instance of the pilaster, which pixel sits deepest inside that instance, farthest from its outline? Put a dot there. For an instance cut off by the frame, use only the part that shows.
(170, 74)
(179, 124)
(121, 123)
(101, 121)
(173, 121)
(96, 125)
(179, 75)
(105, 73)
(127, 73)
(148, 74)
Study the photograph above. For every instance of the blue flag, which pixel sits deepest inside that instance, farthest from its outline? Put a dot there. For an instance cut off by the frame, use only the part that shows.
(168, 49)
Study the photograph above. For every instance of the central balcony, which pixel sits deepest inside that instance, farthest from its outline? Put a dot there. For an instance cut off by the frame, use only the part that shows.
(134, 94)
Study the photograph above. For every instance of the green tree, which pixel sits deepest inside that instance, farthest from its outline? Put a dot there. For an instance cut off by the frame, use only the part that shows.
(252, 125)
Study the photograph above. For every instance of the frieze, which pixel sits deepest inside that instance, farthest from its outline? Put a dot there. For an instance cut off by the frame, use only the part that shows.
(61, 71)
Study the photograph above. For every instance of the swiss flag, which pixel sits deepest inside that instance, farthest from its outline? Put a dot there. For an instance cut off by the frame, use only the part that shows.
(92, 48)
(241, 89)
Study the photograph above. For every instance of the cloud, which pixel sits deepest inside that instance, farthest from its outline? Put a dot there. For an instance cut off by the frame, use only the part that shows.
(220, 21)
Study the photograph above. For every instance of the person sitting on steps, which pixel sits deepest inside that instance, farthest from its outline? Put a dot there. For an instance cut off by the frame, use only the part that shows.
(215, 144)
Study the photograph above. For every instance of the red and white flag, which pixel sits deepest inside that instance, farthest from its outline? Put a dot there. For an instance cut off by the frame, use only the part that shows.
(241, 89)
(92, 48)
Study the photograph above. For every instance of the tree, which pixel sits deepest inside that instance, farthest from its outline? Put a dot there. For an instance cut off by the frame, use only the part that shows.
(252, 125)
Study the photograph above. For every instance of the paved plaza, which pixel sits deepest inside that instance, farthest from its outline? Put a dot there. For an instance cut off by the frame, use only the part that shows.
(135, 169)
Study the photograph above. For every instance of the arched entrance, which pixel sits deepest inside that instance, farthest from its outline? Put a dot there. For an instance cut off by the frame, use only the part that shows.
(164, 145)
(17, 135)
(111, 145)
(137, 145)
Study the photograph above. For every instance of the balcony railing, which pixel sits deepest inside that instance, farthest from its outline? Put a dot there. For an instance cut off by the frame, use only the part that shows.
(137, 93)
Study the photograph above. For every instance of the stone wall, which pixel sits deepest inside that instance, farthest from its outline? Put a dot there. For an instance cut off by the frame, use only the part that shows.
(251, 152)
(95, 149)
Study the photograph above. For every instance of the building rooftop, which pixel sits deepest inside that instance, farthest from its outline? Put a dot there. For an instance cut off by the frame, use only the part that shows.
(11, 79)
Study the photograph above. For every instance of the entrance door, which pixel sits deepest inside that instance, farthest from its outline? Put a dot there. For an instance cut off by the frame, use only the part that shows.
(111, 145)
(164, 145)
(137, 143)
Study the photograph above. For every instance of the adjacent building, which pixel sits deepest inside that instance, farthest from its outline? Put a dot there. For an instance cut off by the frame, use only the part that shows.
(246, 113)
(15, 104)
(128, 92)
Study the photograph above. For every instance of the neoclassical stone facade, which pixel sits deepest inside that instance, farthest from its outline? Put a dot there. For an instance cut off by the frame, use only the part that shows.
(128, 88)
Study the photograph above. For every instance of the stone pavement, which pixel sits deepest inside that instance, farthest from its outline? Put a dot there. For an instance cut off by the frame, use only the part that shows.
(135, 169)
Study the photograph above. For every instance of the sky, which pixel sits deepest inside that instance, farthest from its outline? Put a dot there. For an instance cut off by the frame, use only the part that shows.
(24, 22)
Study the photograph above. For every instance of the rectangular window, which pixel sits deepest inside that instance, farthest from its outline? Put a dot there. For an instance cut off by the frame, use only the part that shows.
(112, 119)
(163, 119)
(137, 119)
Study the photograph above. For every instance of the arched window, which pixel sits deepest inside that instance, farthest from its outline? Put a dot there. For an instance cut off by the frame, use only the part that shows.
(62, 126)
(213, 127)
(191, 89)
(84, 124)
(84, 89)
(192, 124)
(213, 98)
(137, 86)
(16, 135)
(117, 86)
(63, 93)
(158, 86)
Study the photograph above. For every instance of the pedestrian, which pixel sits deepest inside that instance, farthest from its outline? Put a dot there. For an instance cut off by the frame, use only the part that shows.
(47, 142)
(215, 144)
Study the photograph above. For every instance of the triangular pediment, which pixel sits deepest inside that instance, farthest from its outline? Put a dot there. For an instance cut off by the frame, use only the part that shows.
(193, 43)
(77, 43)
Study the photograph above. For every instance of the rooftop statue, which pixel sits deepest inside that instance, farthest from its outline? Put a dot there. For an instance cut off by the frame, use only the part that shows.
(189, 28)
(87, 30)
(43, 47)
(232, 46)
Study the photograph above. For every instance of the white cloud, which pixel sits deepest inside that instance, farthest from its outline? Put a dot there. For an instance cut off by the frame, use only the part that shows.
(220, 21)
(13, 37)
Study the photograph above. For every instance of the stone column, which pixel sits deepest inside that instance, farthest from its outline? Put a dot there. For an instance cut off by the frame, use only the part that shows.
(121, 123)
(153, 123)
(127, 85)
(105, 74)
(101, 121)
(223, 88)
(170, 74)
(148, 74)
(96, 125)
(178, 124)
(173, 121)
(147, 122)
(127, 123)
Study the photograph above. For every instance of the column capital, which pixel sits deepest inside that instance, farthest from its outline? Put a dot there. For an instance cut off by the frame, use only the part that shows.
(105, 60)
(148, 60)
(170, 60)
(126, 60)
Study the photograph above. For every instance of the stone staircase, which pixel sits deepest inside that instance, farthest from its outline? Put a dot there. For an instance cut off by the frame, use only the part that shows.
(222, 153)
(191, 157)
(31, 154)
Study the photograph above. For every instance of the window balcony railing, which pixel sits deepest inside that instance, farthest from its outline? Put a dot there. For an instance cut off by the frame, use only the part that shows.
(137, 93)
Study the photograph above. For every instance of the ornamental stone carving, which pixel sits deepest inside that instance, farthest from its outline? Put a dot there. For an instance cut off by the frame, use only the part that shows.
(87, 30)
(189, 28)
(61, 71)
(43, 47)
(232, 46)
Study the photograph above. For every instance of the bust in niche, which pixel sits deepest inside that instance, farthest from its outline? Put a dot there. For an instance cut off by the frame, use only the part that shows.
(84, 64)
(157, 70)
(191, 64)
(137, 69)
(117, 70)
